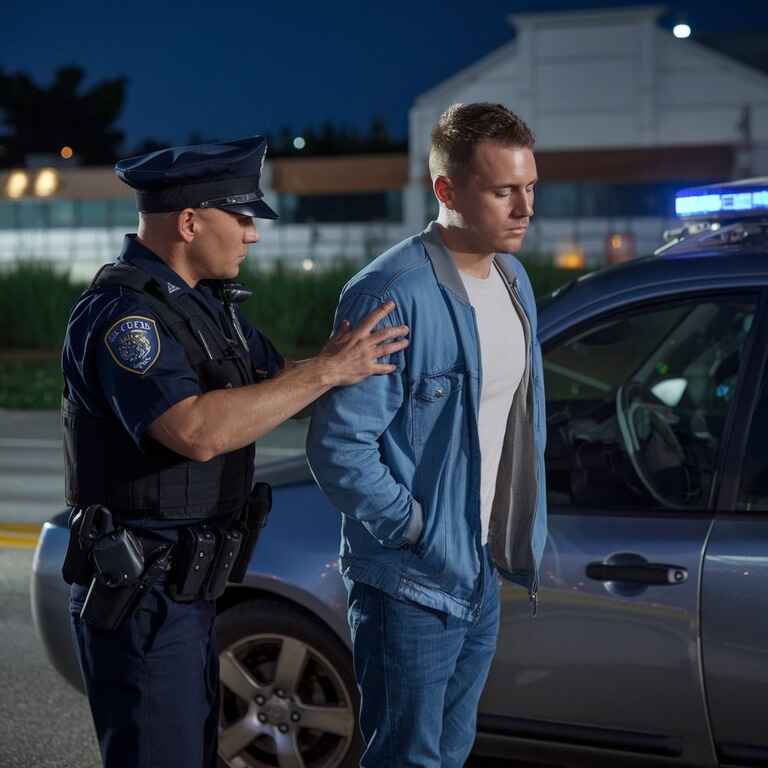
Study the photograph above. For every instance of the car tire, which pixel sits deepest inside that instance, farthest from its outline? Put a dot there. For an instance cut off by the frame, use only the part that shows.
(287, 687)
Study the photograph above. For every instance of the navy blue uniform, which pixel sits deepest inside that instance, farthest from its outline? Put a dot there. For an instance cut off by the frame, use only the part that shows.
(152, 682)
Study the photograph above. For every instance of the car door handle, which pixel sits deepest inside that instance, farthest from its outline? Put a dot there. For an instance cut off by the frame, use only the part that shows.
(657, 574)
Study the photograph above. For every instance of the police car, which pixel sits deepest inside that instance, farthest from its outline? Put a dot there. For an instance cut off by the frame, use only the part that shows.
(650, 643)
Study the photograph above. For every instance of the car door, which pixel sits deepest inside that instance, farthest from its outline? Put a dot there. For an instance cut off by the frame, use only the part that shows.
(638, 402)
(734, 603)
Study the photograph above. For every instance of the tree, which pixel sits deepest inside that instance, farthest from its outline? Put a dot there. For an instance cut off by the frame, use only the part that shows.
(42, 120)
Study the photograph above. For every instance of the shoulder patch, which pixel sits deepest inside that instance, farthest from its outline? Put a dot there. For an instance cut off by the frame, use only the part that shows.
(134, 343)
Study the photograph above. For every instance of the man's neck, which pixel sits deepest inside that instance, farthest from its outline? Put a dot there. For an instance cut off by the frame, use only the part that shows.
(173, 259)
(468, 260)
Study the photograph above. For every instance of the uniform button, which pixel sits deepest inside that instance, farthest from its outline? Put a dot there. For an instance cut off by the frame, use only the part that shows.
(439, 393)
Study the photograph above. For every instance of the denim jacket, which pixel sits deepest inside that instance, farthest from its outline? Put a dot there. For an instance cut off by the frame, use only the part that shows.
(399, 455)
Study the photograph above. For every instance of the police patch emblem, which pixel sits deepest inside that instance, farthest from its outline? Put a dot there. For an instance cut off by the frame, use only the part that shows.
(134, 343)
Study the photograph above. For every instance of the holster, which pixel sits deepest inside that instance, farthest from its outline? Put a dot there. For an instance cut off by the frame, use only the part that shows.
(86, 526)
(107, 605)
(253, 519)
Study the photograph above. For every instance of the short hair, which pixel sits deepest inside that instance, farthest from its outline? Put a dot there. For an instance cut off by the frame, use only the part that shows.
(463, 126)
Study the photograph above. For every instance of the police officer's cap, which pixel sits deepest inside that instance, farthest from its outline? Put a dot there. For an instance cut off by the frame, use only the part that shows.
(223, 175)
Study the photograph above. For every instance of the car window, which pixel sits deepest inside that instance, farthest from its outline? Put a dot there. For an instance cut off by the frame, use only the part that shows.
(637, 402)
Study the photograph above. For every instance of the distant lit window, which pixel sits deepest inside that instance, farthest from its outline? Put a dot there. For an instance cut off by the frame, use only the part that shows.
(7, 215)
(124, 214)
(363, 207)
(62, 213)
(93, 213)
(32, 214)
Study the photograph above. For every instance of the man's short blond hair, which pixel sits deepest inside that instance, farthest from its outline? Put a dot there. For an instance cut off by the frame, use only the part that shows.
(463, 126)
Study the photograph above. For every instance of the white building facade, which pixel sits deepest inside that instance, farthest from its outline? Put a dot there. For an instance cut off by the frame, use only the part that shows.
(624, 114)
(609, 81)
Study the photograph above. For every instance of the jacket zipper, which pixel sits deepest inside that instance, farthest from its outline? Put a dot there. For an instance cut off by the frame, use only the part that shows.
(533, 589)
(478, 538)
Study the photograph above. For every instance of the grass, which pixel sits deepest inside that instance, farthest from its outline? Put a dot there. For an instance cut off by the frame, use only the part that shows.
(30, 384)
(294, 309)
(35, 302)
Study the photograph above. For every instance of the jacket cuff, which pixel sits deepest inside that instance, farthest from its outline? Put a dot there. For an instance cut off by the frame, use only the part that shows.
(415, 524)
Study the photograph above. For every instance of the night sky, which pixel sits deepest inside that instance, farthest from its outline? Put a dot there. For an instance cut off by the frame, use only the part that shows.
(223, 70)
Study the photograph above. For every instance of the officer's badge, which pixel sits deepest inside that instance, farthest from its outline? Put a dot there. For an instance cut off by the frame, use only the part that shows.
(134, 343)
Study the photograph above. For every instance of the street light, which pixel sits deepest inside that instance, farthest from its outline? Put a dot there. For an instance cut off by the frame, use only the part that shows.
(46, 182)
(16, 184)
(681, 31)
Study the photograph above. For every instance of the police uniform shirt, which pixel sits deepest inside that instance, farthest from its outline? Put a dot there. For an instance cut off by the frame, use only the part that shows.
(118, 357)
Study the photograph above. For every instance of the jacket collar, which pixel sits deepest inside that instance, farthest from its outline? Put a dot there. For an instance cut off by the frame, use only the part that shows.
(445, 267)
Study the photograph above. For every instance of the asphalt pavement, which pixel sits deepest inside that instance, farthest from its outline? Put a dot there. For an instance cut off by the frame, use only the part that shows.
(44, 722)
(32, 463)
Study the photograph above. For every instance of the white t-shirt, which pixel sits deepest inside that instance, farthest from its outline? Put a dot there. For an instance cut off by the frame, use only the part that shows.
(503, 355)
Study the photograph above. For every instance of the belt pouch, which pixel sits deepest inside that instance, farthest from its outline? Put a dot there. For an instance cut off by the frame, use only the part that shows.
(230, 542)
(193, 556)
(118, 557)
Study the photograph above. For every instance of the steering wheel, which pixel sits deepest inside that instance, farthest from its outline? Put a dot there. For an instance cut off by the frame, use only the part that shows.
(653, 448)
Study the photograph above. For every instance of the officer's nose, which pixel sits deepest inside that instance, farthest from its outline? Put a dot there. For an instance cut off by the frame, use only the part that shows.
(251, 234)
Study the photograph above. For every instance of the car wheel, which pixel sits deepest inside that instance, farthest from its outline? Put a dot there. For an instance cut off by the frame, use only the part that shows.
(288, 694)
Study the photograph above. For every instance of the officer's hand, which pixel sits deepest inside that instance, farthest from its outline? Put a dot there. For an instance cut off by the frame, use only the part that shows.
(352, 353)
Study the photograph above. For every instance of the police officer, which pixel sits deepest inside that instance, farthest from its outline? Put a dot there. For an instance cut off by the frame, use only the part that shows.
(167, 386)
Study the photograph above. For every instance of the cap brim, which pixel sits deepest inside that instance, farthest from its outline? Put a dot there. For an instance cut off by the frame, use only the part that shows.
(256, 208)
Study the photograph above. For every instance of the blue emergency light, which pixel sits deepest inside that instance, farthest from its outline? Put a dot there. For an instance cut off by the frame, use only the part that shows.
(736, 199)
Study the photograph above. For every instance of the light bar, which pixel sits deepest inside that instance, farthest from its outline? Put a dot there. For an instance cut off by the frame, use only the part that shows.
(738, 199)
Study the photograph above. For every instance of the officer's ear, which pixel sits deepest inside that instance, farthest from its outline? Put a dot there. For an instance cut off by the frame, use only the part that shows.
(187, 224)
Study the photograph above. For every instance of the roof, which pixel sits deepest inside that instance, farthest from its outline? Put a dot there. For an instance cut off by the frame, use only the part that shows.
(653, 277)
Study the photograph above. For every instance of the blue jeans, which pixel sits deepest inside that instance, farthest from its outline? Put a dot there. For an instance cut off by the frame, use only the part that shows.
(420, 673)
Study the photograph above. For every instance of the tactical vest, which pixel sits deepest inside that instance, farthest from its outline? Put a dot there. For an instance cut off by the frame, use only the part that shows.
(104, 465)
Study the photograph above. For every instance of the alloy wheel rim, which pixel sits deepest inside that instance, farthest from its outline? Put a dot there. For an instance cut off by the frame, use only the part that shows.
(283, 705)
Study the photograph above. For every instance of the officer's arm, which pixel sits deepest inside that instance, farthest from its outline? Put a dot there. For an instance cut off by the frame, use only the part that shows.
(203, 426)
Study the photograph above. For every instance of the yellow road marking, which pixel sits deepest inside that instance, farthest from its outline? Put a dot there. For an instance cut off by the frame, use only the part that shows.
(19, 535)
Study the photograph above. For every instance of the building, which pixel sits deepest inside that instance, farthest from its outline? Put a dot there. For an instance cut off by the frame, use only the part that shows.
(625, 114)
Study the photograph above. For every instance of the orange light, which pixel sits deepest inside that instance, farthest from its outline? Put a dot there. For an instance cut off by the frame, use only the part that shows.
(571, 257)
(616, 242)
(67, 152)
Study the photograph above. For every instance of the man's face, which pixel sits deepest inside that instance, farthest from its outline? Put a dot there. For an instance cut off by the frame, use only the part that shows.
(492, 201)
(221, 243)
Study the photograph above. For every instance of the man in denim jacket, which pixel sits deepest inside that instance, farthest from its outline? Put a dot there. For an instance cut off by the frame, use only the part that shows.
(438, 469)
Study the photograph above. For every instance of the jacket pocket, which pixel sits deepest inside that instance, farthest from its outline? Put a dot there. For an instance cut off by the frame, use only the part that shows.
(428, 554)
(433, 404)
